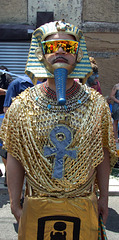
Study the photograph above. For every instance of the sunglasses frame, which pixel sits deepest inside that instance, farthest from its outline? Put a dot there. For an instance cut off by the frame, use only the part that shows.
(59, 40)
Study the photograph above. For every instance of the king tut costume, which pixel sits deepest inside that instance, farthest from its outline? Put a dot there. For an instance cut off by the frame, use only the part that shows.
(59, 145)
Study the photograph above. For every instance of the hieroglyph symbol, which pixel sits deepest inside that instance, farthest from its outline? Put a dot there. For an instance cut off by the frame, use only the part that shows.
(61, 138)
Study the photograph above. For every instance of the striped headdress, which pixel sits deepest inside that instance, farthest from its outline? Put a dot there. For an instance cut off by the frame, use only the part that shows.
(35, 69)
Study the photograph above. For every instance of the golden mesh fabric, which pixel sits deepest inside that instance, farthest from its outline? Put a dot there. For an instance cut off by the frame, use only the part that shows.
(25, 131)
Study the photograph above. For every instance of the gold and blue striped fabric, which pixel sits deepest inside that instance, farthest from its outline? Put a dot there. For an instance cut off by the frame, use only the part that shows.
(35, 69)
(101, 230)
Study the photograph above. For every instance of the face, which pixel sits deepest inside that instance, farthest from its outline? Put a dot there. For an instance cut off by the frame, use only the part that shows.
(60, 58)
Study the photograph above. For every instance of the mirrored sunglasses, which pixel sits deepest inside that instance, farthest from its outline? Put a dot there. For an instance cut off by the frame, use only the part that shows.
(52, 46)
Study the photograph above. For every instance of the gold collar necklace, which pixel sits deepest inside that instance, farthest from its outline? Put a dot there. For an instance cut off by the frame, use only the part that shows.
(45, 97)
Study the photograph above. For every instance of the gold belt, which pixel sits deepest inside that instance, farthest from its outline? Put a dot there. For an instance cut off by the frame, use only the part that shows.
(83, 191)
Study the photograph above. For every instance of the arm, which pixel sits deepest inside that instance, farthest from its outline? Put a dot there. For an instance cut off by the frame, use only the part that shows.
(15, 178)
(14, 88)
(103, 171)
(9, 94)
(5, 109)
(3, 91)
(112, 95)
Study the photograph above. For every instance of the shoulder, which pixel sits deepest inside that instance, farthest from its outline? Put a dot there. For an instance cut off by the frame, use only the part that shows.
(94, 95)
(14, 83)
(25, 97)
(21, 100)
(116, 87)
(97, 101)
(22, 97)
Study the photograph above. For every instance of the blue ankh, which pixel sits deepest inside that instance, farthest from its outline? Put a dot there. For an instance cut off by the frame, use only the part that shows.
(60, 136)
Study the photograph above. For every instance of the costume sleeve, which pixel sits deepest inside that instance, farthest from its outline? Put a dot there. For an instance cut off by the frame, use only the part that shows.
(108, 134)
(9, 131)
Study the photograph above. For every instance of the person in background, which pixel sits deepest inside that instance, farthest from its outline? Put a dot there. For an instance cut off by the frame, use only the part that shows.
(93, 82)
(14, 89)
(1, 174)
(51, 132)
(110, 102)
(5, 80)
(114, 95)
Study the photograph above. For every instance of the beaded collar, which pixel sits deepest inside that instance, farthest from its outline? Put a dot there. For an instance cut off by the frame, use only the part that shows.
(52, 94)
(44, 97)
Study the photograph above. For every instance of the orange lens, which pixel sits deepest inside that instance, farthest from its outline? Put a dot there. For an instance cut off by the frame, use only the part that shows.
(53, 46)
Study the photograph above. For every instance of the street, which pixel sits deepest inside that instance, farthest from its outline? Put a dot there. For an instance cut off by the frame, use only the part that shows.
(9, 227)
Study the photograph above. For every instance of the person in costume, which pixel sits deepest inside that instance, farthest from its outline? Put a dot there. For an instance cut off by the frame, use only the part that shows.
(59, 135)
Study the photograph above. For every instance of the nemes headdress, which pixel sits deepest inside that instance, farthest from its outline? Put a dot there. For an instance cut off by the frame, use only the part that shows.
(36, 69)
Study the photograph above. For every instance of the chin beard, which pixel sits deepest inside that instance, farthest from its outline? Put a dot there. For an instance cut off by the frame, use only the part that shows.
(60, 75)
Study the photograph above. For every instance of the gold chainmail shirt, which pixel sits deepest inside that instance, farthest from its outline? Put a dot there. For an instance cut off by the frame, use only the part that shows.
(27, 131)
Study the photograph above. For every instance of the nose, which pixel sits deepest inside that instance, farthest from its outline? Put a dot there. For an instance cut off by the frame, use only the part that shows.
(60, 50)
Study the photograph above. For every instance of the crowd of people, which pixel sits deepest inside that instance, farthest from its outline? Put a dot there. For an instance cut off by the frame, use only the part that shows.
(59, 137)
(112, 99)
